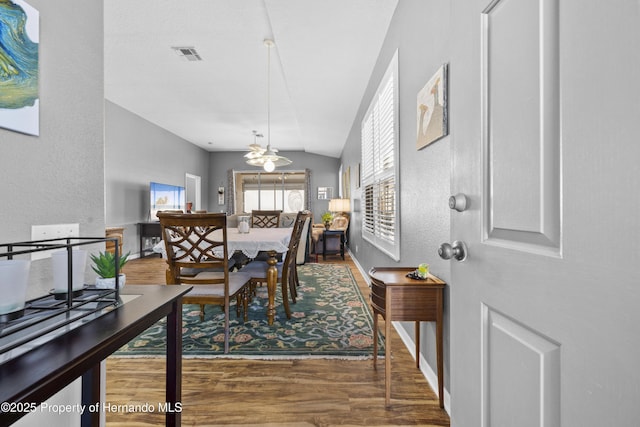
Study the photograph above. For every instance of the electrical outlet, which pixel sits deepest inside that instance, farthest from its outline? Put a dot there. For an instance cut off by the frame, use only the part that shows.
(52, 231)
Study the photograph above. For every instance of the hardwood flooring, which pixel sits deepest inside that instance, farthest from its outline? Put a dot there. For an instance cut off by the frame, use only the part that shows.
(272, 393)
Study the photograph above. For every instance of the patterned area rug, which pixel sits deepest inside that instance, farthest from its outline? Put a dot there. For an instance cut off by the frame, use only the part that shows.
(331, 319)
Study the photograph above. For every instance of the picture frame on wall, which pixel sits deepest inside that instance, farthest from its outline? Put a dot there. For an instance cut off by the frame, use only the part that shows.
(19, 52)
(432, 109)
(346, 183)
(325, 193)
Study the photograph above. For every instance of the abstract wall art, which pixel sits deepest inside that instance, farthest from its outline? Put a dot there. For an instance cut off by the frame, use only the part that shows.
(19, 39)
(432, 123)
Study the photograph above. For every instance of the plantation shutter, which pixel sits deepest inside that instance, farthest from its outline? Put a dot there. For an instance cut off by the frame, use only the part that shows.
(379, 134)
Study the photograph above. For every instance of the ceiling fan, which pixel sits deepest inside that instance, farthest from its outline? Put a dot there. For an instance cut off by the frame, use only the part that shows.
(266, 158)
(257, 156)
(255, 149)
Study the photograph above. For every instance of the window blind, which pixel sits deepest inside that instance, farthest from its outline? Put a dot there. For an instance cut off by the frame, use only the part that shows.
(379, 134)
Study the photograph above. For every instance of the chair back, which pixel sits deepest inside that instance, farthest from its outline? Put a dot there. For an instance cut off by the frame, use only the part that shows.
(294, 243)
(265, 219)
(197, 242)
(340, 222)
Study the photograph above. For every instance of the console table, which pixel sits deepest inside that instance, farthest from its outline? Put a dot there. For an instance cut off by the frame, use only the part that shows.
(397, 297)
(148, 229)
(35, 376)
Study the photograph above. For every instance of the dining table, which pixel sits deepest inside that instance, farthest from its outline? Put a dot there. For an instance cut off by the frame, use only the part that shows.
(269, 240)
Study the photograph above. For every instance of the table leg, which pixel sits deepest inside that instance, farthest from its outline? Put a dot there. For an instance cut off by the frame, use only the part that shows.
(439, 344)
(272, 281)
(173, 393)
(324, 246)
(91, 396)
(417, 329)
(387, 356)
(375, 340)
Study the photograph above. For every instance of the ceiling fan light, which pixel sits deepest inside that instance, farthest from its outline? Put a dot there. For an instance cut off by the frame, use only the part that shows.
(269, 166)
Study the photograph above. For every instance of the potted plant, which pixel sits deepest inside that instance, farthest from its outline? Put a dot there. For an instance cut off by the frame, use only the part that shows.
(327, 217)
(104, 264)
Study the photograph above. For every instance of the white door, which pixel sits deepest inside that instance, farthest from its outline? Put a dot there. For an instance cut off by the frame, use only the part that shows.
(545, 128)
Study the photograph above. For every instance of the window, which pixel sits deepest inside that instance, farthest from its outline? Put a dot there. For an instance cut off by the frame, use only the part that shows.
(285, 191)
(379, 134)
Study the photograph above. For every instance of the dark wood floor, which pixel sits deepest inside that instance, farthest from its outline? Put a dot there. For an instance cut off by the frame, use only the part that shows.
(272, 393)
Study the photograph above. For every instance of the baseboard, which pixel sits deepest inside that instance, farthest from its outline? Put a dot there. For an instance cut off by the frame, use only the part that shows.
(429, 374)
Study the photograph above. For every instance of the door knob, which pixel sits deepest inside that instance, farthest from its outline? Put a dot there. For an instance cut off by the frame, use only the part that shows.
(458, 202)
(458, 251)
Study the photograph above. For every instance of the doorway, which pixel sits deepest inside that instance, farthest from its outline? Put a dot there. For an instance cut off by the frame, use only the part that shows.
(193, 190)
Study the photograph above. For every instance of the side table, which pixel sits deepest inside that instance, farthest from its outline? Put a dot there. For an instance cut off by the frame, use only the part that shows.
(397, 297)
(332, 234)
(148, 229)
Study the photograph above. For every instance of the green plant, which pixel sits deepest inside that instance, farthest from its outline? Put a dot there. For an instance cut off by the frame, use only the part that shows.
(327, 217)
(105, 264)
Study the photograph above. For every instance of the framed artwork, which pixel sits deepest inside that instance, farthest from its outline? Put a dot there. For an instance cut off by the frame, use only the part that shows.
(346, 183)
(432, 123)
(19, 104)
(325, 193)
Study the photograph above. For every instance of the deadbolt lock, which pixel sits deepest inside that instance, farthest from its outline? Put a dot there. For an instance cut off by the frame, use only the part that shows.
(458, 202)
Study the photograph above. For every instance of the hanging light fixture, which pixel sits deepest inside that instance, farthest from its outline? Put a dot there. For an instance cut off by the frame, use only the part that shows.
(269, 158)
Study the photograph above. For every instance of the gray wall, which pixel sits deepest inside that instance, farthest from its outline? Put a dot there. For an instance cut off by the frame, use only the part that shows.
(419, 31)
(58, 177)
(324, 173)
(136, 153)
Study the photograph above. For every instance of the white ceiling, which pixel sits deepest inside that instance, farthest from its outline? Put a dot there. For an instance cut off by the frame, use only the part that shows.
(322, 61)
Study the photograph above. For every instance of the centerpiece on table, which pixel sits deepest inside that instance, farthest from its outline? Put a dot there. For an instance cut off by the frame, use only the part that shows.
(104, 264)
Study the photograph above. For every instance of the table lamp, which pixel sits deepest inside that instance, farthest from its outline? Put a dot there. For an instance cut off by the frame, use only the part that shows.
(340, 206)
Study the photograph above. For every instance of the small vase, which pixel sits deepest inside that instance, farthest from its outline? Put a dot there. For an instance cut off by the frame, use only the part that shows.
(110, 283)
(327, 225)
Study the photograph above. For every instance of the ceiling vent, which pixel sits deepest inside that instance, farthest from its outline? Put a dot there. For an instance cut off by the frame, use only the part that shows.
(188, 53)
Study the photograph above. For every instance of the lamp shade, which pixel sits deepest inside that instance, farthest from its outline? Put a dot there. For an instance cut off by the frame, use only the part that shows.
(340, 205)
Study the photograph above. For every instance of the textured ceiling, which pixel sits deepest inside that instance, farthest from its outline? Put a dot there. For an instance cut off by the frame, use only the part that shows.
(323, 57)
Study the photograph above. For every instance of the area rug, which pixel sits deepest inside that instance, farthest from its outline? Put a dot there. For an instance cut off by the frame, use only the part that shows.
(331, 319)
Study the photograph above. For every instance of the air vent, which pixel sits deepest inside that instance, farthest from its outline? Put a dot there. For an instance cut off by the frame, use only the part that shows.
(189, 53)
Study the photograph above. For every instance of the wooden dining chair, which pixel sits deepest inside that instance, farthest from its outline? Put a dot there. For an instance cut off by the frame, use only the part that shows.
(265, 219)
(196, 246)
(287, 273)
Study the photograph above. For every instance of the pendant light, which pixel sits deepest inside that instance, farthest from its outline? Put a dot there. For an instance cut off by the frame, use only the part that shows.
(269, 159)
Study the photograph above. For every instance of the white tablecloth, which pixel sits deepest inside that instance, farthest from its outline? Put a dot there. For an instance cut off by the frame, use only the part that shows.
(256, 240)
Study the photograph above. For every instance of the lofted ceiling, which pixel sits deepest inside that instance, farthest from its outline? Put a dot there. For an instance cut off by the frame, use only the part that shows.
(324, 54)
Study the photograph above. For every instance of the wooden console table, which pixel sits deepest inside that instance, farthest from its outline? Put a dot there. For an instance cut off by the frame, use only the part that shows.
(35, 376)
(397, 297)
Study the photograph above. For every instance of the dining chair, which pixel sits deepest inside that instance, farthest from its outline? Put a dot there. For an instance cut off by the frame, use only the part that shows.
(196, 247)
(287, 272)
(265, 219)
